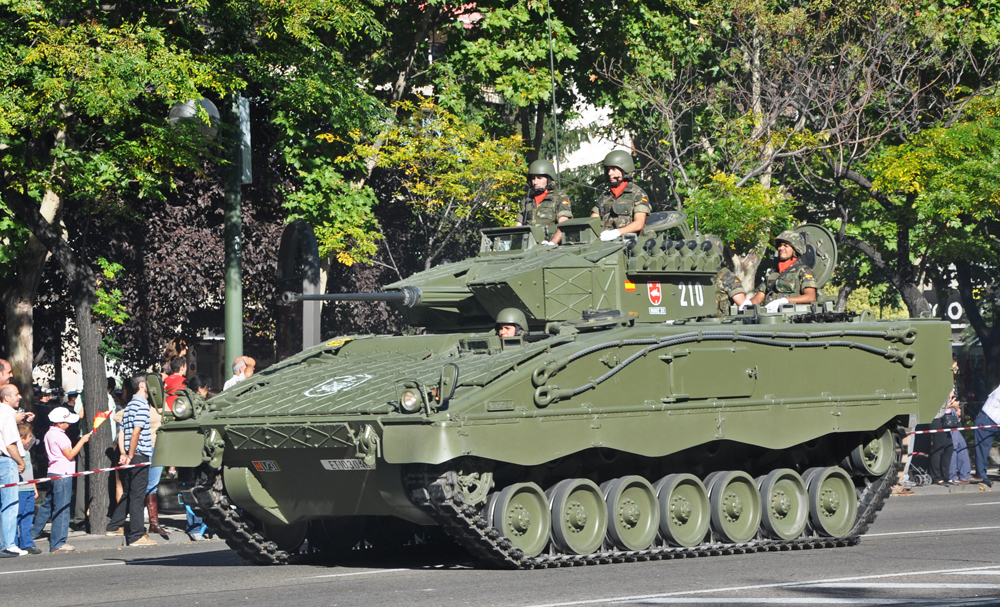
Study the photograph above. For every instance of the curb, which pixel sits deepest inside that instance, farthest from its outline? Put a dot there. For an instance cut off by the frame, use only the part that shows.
(175, 525)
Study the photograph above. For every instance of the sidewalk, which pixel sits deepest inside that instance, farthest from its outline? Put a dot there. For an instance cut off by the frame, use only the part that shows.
(970, 488)
(173, 523)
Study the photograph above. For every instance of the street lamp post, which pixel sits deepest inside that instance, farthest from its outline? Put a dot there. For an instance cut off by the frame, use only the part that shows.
(233, 218)
(235, 174)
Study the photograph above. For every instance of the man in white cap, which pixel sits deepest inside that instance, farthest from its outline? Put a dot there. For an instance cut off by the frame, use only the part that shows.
(11, 466)
(62, 461)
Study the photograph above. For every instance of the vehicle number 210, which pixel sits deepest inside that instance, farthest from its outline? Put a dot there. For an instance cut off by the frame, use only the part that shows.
(692, 294)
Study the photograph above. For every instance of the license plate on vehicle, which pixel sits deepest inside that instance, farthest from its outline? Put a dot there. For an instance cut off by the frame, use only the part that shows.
(346, 464)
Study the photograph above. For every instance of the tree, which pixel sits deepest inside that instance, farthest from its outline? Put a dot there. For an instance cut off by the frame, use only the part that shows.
(948, 180)
(508, 52)
(797, 94)
(84, 92)
(452, 173)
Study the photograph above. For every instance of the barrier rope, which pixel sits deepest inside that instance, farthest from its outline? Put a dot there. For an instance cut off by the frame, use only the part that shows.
(950, 429)
(74, 475)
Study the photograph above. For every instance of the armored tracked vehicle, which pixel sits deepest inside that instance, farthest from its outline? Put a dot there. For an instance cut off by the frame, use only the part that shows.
(632, 420)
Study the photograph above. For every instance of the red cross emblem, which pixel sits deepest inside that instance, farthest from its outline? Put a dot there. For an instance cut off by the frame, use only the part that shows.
(655, 293)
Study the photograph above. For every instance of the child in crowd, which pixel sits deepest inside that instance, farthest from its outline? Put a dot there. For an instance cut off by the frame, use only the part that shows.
(62, 461)
(26, 494)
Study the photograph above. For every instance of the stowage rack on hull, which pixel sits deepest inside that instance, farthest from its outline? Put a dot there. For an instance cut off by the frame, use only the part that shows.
(631, 420)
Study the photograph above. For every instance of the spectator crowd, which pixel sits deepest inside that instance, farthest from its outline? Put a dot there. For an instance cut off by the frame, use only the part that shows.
(23, 457)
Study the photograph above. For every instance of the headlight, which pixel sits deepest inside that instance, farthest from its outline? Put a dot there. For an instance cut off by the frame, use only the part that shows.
(182, 408)
(410, 401)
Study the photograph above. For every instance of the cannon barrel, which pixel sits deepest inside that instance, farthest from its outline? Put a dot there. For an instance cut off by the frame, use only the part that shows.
(408, 297)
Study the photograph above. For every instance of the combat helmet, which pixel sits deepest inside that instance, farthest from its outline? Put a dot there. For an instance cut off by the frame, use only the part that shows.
(795, 239)
(545, 168)
(542, 167)
(512, 316)
(620, 159)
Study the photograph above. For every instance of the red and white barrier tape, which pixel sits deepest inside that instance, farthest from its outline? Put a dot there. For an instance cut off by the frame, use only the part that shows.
(74, 475)
(950, 429)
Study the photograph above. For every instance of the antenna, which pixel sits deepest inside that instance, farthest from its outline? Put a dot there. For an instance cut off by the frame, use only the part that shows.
(552, 73)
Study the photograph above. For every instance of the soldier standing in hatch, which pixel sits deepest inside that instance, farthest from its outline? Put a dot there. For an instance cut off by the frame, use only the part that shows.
(792, 281)
(624, 207)
(544, 205)
(728, 288)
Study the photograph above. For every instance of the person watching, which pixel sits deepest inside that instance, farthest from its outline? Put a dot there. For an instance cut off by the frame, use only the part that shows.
(792, 281)
(175, 381)
(62, 461)
(544, 205)
(624, 207)
(243, 368)
(11, 466)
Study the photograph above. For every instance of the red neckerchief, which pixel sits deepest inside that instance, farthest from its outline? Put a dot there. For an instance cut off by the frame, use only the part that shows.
(784, 265)
(618, 189)
(541, 197)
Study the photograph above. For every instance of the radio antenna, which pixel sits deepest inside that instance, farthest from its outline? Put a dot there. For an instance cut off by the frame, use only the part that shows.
(552, 73)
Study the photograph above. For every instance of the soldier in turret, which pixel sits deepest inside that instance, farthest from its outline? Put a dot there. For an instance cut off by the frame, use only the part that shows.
(792, 281)
(544, 205)
(624, 207)
(511, 322)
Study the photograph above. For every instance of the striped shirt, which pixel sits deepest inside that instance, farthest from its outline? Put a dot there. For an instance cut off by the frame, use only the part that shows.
(137, 415)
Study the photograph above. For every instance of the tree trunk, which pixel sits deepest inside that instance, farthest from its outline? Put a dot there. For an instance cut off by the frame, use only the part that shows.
(530, 153)
(95, 400)
(745, 268)
(842, 295)
(19, 303)
(757, 107)
(916, 303)
(82, 289)
(988, 334)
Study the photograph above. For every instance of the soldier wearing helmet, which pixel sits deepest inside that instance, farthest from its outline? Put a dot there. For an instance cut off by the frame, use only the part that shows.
(728, 286)
(624, 207)
(792, 281)
(511, 322)
(544, 205)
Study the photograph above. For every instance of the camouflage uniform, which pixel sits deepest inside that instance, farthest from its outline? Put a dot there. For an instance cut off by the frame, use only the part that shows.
(790, 283)
(618, 213)
(727, 285)
(547, 212)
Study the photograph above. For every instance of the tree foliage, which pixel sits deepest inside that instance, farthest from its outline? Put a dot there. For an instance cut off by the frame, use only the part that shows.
(452, 172)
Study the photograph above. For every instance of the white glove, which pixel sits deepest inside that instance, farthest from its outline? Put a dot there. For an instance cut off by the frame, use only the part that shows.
(548, 243)
(746, 304)
(607, 235)
(775, 305)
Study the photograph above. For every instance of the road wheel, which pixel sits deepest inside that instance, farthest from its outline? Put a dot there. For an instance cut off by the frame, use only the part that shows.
(521, 514)
(579, 515)
(633, 512)
(735, 505)
(874, 455)
(833, 501)
(784, 504)
(684, 509)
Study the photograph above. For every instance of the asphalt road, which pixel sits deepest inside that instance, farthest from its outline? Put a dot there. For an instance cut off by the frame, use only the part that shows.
(922, 550)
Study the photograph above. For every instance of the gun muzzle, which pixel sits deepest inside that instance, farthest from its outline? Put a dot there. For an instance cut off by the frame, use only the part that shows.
(408, 297)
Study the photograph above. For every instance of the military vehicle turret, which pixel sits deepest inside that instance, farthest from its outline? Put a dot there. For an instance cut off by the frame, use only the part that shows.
(632, 420)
